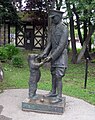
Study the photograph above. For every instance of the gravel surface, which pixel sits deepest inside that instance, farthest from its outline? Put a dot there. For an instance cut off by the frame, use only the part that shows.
(11, 101)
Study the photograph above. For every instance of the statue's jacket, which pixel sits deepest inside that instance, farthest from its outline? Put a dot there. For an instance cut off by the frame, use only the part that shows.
(57, 44)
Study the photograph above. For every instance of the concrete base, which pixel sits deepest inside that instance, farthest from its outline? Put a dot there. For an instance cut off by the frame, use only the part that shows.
(44, 105)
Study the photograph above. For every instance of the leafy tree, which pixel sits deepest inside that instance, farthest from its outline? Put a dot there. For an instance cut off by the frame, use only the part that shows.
(85, 18)
(72, 35)
(83, 10)
(7, 13)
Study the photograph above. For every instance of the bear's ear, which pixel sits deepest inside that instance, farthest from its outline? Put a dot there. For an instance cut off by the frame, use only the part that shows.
(1, 75)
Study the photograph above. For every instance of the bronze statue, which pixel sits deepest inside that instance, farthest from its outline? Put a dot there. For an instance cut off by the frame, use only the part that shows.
(56, 52)
(35, 74)
(1, 74)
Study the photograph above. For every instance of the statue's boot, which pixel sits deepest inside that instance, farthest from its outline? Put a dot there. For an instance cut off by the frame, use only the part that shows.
(59, 90)
(52, 93)
(56, 100)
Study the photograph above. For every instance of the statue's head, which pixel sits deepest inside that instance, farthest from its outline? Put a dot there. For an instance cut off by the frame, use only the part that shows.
(32, 56)
(56, 16)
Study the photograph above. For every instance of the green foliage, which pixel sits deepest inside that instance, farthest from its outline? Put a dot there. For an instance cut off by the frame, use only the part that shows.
(8, 51)
(11, 50)
(84, 8)
(93, 61)
(8, 11)
(24, 15)
(73, 82)
(17, 61)
(3, 54)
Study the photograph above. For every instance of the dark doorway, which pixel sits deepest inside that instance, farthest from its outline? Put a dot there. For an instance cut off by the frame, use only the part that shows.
(29, 38)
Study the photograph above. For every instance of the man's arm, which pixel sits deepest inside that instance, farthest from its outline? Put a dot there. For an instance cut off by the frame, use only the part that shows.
(47, 49)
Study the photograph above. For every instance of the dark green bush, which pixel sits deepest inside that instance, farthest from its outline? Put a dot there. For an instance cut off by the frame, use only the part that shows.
(11, 51)
(17, 61)
(3, 54)
(93, 61)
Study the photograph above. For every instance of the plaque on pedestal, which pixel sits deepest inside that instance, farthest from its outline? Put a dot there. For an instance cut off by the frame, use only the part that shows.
(44, 105)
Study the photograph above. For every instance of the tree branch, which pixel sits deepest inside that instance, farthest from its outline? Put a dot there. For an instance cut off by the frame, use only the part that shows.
(85, 44)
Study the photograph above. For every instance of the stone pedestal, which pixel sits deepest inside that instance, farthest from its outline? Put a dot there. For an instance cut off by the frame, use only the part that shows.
(44, 105)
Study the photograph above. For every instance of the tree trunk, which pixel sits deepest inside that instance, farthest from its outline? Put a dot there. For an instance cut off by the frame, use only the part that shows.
(73, 42)
(85, 29)
(78, 25)
(85, 44)
(0, 36)
(90, 39)
(86, 54)
(4, 33)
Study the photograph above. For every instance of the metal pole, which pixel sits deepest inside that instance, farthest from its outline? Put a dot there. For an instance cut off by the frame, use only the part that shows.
(86, 72)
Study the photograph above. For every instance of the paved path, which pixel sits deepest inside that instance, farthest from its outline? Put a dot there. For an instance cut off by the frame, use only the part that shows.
(10, 102)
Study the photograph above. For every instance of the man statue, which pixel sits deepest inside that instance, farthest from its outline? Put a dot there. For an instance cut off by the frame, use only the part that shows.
(56, 52)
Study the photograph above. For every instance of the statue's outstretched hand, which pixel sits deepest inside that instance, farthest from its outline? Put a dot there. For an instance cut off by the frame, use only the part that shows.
(48, 59)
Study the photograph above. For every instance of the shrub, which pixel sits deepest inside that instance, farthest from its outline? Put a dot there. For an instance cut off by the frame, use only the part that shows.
(17, 61)
(93, 61)
(11, 50)
(3, 54)
(8, 51)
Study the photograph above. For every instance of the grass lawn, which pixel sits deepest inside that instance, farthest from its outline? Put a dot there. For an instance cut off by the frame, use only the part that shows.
(73, 82)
